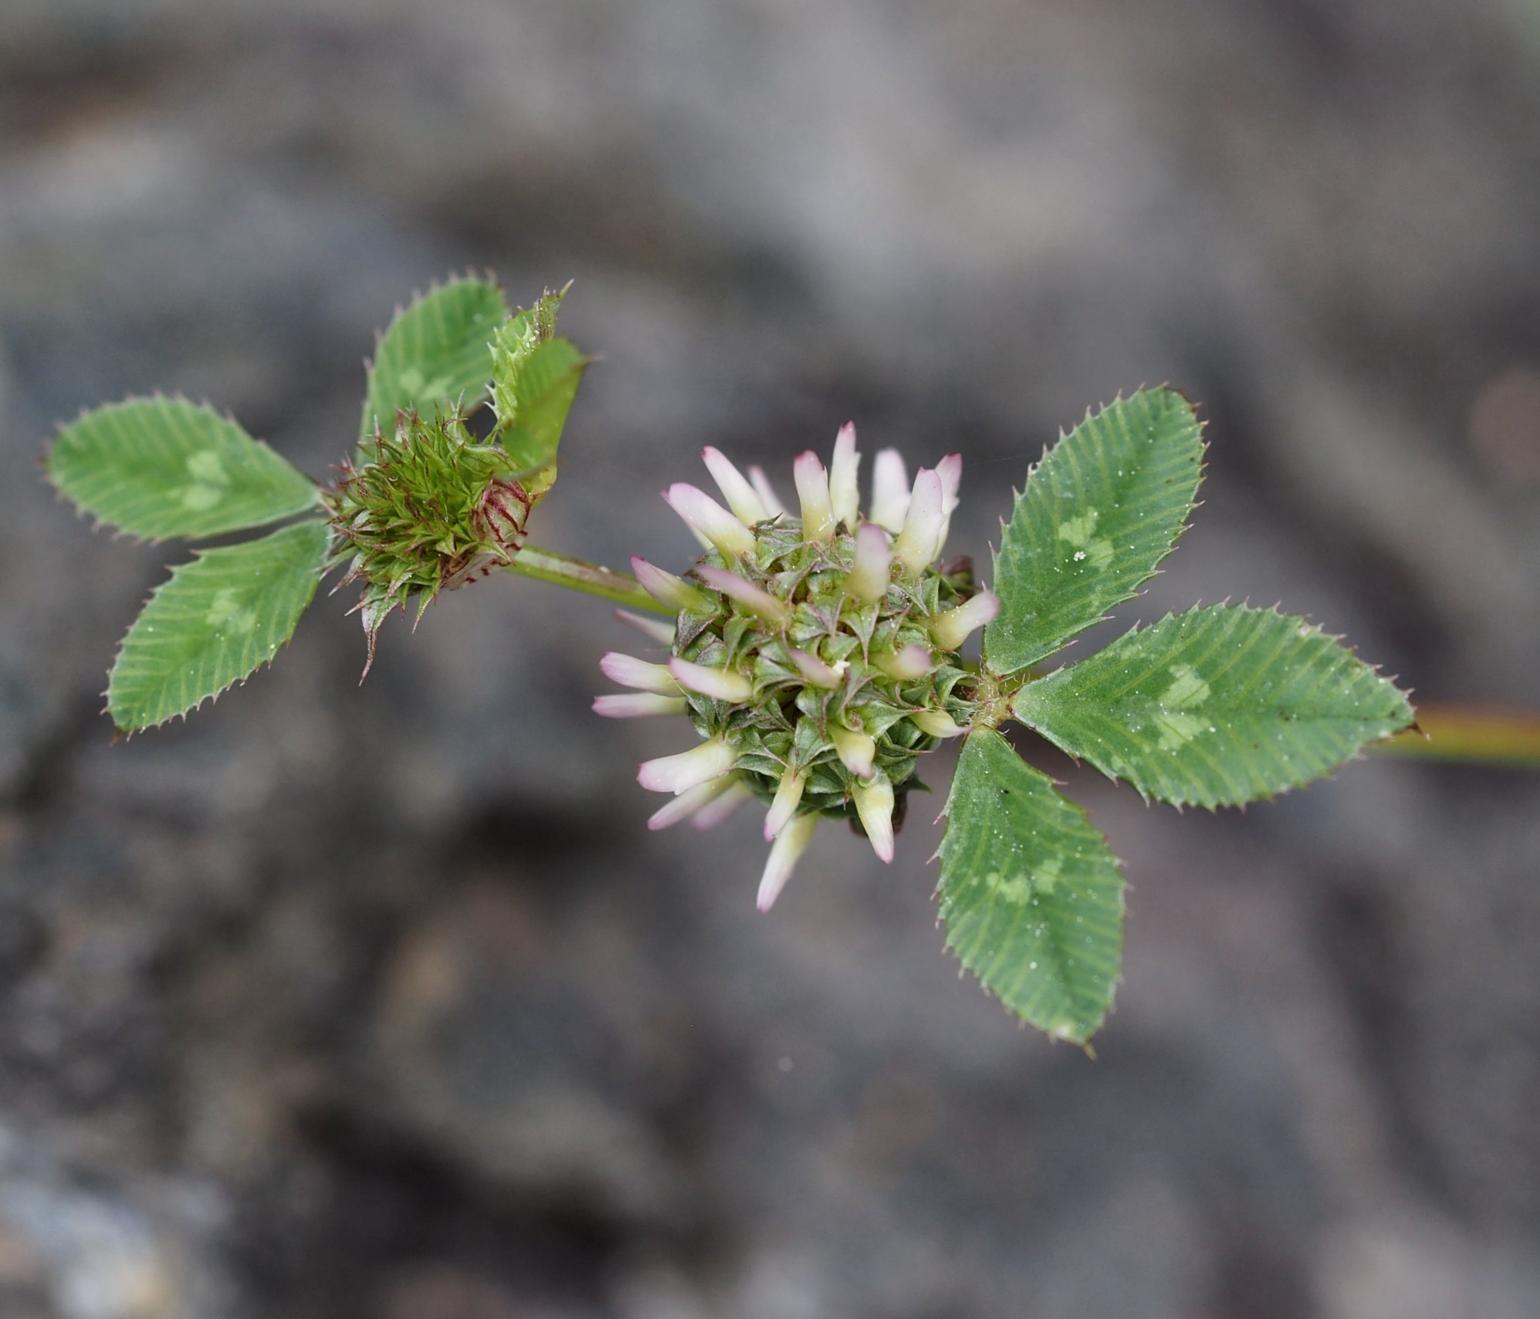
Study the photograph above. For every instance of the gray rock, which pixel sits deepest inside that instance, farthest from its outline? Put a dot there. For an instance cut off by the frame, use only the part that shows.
(382, 1003)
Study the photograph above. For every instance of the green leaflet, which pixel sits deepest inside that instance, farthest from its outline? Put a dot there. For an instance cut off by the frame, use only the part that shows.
(216, 620)
(535, 378)
(1030, 893)
(547, 385)
(1100, 511)
(158, 467)
(1217, 706)
(433, 356)
(515, 343)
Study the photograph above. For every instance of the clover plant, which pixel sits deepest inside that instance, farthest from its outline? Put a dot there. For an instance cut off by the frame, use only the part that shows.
(814, 653)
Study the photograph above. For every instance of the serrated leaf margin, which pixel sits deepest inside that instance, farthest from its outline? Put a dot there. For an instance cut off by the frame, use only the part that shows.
(313, 528)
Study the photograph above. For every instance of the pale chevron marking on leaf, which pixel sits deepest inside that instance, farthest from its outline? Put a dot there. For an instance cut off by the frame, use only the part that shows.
(1094, 551)
(434, 354)
(214, 622)
(226, 611)
(161, 467)
(210, 482)
(1187, 689)
(1215, 707)
(1100, 511)
(1030, 893)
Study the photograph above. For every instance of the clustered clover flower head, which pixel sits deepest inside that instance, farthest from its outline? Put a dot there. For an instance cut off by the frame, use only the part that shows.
(816, 655)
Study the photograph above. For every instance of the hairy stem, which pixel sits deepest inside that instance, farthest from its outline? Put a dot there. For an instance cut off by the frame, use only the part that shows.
(1473, 735)
(580, 575)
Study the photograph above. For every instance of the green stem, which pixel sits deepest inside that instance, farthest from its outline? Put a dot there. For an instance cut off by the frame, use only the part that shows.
(1443, 732)
(580, 575)
(1485, 737)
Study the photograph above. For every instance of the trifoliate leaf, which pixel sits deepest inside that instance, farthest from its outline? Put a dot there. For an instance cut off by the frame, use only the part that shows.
(1030, 893)
(1099, 512)
(158, 467)
(1217, 706)
(433, 357)
(218, 619)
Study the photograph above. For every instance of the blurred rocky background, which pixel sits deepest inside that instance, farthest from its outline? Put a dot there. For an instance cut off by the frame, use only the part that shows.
(381, 1003)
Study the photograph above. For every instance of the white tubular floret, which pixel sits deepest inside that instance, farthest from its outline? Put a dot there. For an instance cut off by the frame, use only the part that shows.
(844, 496)
(868, 579)
(813, 494)
(890, 490)
(704, 516)
(638, 705)
(643, 675)
(813, 670)
(746, 505)
(907, 663)
(669, 591)
(874, 804)
(766, 492)
(788, 847)
(788, 796)
(949, 469)
(855, 750)
(753, 598)
(691, 802)
(916, 543)
(938, 723)
(713, 813)
(952, 628)
(680, 773)
(718, 684)
(655, 628)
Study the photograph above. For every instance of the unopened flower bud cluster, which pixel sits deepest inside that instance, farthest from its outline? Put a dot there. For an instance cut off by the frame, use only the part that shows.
(430, 509)
(815, 653)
